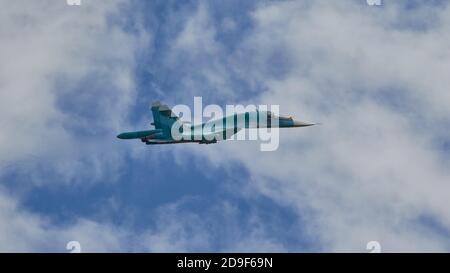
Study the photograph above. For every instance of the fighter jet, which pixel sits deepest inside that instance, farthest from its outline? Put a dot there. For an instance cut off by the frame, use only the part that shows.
(169, 129)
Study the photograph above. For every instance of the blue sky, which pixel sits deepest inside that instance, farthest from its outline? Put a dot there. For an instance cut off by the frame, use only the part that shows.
(369, 173)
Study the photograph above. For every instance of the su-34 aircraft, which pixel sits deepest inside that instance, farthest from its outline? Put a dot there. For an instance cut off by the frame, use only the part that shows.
(169, 129)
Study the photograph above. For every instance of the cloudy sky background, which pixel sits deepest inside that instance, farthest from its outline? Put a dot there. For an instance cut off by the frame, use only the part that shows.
(71, 78)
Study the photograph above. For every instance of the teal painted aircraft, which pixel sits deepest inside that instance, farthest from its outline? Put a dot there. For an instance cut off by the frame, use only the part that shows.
(169, 129)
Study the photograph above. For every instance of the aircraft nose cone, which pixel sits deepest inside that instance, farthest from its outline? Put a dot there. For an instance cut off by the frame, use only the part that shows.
(121, 136)
(302, 123)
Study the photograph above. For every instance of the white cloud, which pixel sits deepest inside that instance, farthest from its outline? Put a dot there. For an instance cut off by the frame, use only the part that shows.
(176, 229)
(369, 173)
(372, 171)
(199, 58)
(22, 231)
(216, 228)
(198, 34)
(61, 65)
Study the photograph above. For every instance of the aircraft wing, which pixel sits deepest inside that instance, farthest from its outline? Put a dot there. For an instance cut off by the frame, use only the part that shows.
(222, 134)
